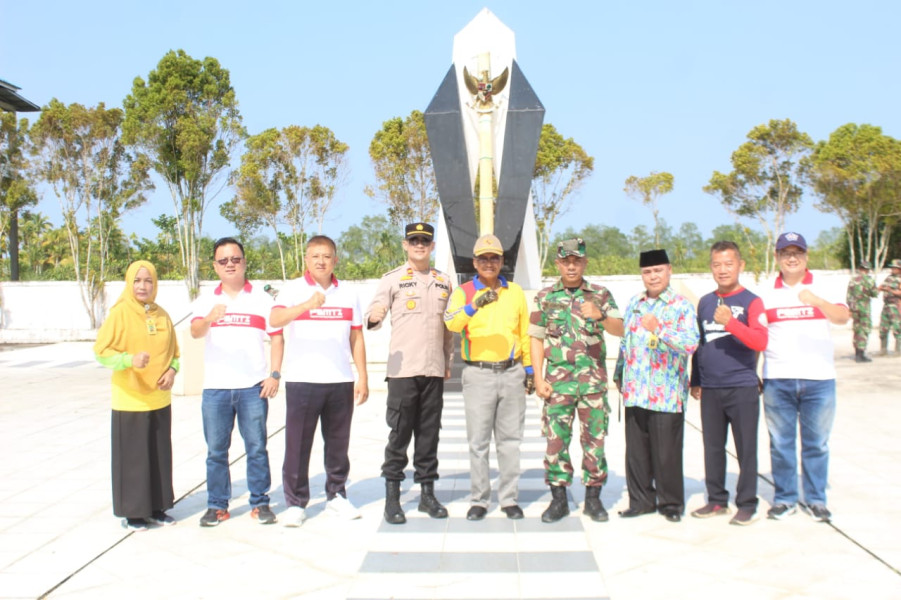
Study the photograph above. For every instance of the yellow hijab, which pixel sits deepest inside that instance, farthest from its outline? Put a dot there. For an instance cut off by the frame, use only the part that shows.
(132, 327)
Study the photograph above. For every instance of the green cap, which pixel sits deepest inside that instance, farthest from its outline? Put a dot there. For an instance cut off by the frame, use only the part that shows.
(572, 247)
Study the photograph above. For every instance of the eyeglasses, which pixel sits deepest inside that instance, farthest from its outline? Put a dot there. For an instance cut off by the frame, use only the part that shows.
(235, 260)
(419, 241)
(489, 258)
(798, 255)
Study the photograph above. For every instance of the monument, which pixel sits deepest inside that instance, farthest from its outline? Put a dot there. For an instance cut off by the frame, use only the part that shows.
(483, 125)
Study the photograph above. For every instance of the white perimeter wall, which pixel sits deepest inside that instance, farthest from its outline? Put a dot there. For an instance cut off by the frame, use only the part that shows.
(42, 312)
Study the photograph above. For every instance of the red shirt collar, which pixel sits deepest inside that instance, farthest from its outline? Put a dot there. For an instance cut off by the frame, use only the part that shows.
(247, 287)
(808, 279)
(309, 279)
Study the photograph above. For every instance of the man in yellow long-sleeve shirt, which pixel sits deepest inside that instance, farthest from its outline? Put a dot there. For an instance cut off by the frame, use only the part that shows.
(492, 316)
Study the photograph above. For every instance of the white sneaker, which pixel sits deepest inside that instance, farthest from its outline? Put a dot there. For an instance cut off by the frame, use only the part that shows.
(294, 516)
(339, 506)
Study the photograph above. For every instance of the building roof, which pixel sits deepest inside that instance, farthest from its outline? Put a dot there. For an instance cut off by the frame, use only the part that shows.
(10, 101)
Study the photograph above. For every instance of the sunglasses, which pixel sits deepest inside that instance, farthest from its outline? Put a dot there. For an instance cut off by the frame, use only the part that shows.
(235, 260)
(419, 241)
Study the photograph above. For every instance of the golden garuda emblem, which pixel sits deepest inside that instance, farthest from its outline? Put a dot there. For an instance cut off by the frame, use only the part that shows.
(483, 89)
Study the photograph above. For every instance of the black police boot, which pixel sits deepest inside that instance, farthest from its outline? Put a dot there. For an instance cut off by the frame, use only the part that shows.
(593, 506)
(559, 506)
(428, 503)
(394, 514)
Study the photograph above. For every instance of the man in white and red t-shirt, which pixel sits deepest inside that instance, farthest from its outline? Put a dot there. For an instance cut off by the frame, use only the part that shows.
(799, 379)
(324, 333)
(237, 382)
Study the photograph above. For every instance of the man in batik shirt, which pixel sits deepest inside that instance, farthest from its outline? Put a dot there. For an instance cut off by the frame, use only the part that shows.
(661, 333)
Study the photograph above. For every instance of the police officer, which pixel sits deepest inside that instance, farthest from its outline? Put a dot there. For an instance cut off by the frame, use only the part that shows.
(861, 289)
(419, 360)
(567, 329)
(891, 311)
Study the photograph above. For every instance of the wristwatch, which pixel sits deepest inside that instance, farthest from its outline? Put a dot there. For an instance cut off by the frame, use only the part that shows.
(275, 375)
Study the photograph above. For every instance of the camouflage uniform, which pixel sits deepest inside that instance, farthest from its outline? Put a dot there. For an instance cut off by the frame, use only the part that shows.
(575, 352)
(891, 316)
(861, 288)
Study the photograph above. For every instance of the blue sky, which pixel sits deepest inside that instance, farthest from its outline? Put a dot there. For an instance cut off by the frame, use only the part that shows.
(642, 86)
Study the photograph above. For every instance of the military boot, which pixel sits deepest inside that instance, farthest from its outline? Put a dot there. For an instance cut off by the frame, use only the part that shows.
(593, 506)
(860, 357)
(559, 506)
(428, 503)
(883, 346)
(394, 514)
(897, 347)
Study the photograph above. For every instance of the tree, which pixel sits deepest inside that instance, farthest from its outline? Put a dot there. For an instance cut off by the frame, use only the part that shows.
(185, 119)
(404, 171)
(857, 175)
(34, 229)
(766, 180)
(83, 159)
(369, 249)
(289, 176)
(648, 189)
(561, 166)
(16, 191)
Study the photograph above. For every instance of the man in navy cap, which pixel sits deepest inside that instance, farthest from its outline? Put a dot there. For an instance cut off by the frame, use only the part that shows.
(419, 360)
(799, 378)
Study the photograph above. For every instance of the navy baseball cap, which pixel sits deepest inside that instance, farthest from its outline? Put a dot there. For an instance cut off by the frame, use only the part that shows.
(790, 238)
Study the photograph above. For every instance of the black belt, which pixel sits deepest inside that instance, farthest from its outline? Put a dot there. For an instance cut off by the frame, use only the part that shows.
(494, 366)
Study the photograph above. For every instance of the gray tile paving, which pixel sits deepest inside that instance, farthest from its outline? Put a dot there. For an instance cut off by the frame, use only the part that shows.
(58, 538)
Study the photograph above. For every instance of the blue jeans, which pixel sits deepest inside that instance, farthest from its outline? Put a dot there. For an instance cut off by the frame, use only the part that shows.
(219, 409)
(812, 403)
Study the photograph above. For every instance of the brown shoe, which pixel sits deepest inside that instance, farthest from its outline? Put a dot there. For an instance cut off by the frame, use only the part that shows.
(711, 510)
(744, 516)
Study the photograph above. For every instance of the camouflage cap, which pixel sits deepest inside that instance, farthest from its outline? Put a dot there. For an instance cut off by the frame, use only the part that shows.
(571, 247)
(865, 264)
(895, 263)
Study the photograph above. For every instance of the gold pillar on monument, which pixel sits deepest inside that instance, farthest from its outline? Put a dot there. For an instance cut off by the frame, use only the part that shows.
(483, 89)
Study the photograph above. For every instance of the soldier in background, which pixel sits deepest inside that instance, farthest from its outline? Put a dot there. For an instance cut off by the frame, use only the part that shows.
(861, 289)
(891, 315)
(567, 329)
(419, 360)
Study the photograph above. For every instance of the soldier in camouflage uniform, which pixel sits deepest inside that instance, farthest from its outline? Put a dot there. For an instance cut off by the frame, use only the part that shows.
(861, 289)
(891, 315)
(567, 331)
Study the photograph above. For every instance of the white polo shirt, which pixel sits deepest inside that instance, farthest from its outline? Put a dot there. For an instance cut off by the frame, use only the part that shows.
(235, 351)
(800, 342)
(317, 343)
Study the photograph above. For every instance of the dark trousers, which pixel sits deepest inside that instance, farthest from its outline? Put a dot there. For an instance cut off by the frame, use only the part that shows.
(654, 457)
(740, 408)
(142, 462)
(414, 409)
(307, 404)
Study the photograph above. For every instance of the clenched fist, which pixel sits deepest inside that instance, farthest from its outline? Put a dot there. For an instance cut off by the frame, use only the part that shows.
(217, 313)
(485, 299)
(377, 313)
(722, 314)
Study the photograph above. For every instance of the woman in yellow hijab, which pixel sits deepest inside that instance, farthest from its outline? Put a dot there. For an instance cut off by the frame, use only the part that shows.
(137, 341)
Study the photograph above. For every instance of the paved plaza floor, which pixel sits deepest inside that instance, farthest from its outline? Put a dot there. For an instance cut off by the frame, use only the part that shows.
(59, 539)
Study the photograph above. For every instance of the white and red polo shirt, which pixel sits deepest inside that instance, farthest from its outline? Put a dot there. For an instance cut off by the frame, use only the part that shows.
(800, 341)
(235, 352)
(318, 341)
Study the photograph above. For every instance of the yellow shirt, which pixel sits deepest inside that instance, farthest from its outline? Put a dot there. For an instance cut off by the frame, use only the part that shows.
(496, 332)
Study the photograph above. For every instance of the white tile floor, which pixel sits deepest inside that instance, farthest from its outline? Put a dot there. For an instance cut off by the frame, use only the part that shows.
(59, 539)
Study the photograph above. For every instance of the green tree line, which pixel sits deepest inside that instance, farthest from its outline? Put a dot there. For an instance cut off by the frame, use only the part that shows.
(180, 125)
